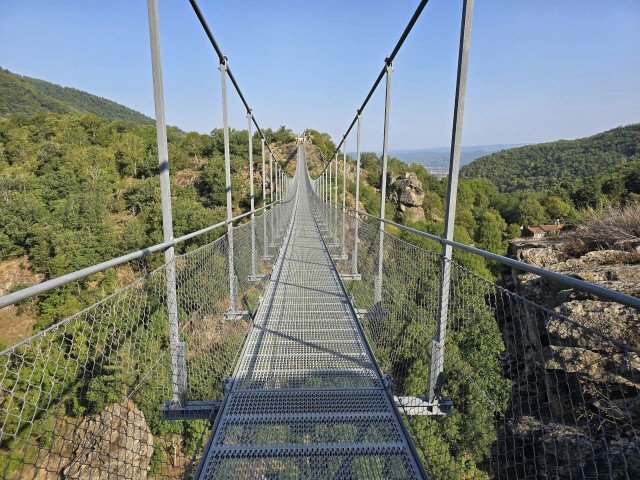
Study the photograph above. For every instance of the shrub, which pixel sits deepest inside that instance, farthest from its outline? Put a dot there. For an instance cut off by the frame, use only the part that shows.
(613, 227)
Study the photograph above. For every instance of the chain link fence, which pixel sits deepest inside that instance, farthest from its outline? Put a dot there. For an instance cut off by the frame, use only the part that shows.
(84, 398)
(526, 391)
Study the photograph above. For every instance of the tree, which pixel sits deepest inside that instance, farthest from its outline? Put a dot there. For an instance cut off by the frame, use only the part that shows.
(513, 231)
(491, 229)
(130, 152)
(556, 208)
(588, 194)
(530, 212)
(211, 182)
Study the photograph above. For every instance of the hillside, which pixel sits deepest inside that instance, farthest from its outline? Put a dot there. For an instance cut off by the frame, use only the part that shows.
(546, 165)
(25, 95)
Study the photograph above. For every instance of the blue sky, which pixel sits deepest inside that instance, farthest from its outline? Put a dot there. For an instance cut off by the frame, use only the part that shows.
(539, 70)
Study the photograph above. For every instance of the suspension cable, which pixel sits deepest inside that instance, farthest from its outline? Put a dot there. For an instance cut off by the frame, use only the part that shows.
(387, 61)
(223, 59)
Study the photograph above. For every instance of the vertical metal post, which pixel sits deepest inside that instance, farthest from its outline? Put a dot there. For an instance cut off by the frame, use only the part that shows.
(265, 240)
(344, 196)
(327, 202)
(335, 196)
(438, 343)
(324, 186)
(254, 260)
(271, 176)
(354, 269)
(383, 191)
(324, 197)
(271, 211)
(178, 357)
(330, 209)
(233, 294)
(327, 205)
(278, 209)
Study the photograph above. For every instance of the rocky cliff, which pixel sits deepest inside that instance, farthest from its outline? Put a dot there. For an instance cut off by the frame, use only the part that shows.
(574, 367)
(115, 444)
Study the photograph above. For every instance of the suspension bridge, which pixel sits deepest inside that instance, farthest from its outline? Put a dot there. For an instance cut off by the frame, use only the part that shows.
(311, 341)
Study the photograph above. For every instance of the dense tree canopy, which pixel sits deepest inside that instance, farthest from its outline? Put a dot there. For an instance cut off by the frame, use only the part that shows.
(78, 190)
(25, 96)
(551, 164)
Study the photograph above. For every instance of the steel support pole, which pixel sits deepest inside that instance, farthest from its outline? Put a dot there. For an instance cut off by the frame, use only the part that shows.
(271, 211)
(354, 270)
(324, 187)
(327, 203)
(254, 259)
(438, 343)
(335, 196)
(321, 195)
(330, 206)
(233, 294)
(344, 196)
(265, 240)
(383, 191)
(178, 357)
(327, 194)
(278, 204)
(324, 198)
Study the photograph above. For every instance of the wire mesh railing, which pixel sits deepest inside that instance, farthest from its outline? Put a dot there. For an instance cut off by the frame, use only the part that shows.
(85, 397)
(525, 391)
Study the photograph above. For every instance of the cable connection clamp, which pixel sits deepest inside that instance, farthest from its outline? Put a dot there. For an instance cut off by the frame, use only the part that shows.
(375, 313)
(415, 406)
(239, 315)
(193, 410)
(350, 276)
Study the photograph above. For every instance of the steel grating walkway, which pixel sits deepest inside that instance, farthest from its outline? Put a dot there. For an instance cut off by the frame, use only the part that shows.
(306, 400)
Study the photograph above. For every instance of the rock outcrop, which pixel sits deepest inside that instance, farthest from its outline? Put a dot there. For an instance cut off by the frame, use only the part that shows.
(406, 191)
(115, 444)
(575, 400)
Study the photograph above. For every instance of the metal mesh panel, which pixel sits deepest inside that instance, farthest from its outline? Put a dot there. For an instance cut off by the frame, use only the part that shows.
(534, 394)
(83, 399)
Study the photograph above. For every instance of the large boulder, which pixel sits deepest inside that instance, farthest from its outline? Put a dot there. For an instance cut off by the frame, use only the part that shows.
(115, 444)
(406, 191)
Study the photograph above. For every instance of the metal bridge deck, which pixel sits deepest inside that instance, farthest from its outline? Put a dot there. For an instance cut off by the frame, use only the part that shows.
(307, 401)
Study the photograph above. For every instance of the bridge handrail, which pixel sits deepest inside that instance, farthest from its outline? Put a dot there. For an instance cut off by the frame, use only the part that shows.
(34, 290)
(603, 292)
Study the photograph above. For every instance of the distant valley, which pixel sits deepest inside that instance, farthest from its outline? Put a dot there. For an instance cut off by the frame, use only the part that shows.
(436, 160)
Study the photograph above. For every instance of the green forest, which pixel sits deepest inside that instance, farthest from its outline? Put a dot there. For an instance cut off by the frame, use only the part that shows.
(78, 190)
(591, 171)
